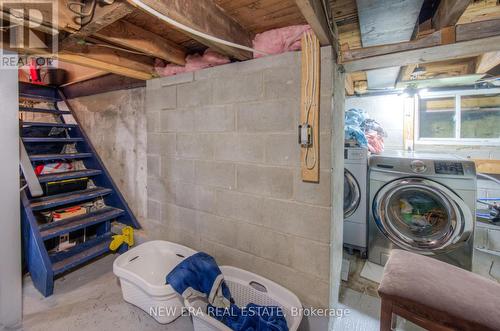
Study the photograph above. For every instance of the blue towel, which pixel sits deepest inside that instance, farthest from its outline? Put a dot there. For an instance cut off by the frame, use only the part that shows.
(199, 276)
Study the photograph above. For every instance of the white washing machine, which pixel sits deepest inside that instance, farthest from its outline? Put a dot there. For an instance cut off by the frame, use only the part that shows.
(355, 199)
(424, 204)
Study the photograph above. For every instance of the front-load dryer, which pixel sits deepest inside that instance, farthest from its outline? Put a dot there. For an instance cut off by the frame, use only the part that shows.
(424, 204)
(355, 199)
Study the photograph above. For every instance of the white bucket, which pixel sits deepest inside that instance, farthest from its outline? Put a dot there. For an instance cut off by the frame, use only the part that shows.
(142, 272)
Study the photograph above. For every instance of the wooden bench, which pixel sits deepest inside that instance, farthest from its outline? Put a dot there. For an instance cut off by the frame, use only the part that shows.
(437, 296)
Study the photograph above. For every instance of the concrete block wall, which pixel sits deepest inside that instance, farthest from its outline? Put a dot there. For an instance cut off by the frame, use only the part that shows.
(224, 170)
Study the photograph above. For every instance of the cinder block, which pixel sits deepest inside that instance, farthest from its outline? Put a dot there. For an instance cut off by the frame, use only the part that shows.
(153, 84)
(177, 79)
(282, 83)
(298, 219)
(313, 193)
(195, 197)
(283, 149)
(311, 257)
(239, 88)
(218, 174)
(186, 219)
(161, 98)
(265, 243)
(286, 60)
(219, 230)
(227, 255)
(154, 164)
(269, 181)
(215, 118)
(194, 94)
(153, 121)
(312, 291)
(239, 206)
(154, 210)
(177, 169)
(325, 114)
(179, 120)
(161, 143)
(270, 116)
(325, 151)
(239, 147)
(200, 146)
(161, 191)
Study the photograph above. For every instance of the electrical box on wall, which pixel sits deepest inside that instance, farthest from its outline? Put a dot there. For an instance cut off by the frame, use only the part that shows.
(309, 108)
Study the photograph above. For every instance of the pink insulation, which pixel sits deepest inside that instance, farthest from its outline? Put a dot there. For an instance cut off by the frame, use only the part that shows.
(194, 62)
(279, 40)
(270, 42)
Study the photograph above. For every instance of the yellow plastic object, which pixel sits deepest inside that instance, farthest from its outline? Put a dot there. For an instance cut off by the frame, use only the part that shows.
(127, 237)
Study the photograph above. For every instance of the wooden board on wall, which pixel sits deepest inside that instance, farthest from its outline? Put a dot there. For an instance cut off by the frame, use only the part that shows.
(491, 167)
(309, 109)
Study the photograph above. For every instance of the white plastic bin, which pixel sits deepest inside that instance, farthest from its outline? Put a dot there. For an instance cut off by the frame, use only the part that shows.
(142, 272)
(246, 288)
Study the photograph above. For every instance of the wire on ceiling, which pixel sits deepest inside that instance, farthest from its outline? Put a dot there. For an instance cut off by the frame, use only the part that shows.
(192, 31)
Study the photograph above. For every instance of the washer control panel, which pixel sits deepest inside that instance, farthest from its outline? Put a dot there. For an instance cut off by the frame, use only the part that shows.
(448, 168)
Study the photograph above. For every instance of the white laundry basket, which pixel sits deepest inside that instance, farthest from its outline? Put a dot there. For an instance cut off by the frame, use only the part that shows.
(246, 288)
(142, 272)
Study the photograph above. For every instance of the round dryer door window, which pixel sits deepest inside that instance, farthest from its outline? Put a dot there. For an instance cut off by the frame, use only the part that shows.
(352, 194)
(422, 215)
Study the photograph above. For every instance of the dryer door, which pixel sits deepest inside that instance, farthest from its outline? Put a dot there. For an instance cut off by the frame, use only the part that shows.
(421, 215)
(352, 194)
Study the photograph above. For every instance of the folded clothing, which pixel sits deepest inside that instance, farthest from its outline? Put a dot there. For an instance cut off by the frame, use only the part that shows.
(199, 278)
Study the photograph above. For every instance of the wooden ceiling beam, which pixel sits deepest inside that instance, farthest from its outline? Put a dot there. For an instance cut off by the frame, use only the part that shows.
(315, 15)
(449, 12)
(128, 35)
(205, 16)
(104, 16)
(470, 40)
(110, 60)
(487, 61)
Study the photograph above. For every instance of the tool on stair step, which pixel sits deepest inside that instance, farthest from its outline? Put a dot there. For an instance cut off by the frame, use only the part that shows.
(64, 186)
(127, 238)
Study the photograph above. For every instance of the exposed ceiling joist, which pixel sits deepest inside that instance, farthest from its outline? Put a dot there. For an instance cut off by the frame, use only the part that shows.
(349, 84)
(104, 16)
(471, 39)
(385, 22)
(315, 15)
(110, 60)
(487, 61)
(205, 16)
(449, 12)
(128, 35)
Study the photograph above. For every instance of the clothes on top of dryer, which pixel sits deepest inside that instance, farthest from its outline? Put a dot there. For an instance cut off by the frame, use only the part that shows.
(365, 131)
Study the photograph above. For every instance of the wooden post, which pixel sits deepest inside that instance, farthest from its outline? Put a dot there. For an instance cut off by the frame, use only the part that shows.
(309, 110)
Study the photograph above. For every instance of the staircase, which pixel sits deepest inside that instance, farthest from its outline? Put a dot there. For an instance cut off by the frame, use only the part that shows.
(43, 255)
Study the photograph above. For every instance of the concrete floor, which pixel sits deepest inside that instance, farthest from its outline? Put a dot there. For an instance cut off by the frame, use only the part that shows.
(88, 299)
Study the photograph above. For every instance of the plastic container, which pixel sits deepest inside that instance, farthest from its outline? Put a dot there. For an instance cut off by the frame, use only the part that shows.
(246, 288)
(142, 271)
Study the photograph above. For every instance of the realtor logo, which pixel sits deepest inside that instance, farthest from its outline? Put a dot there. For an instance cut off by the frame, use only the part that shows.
(28, 28)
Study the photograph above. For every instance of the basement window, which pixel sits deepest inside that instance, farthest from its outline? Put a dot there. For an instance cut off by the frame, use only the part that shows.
(462, 118)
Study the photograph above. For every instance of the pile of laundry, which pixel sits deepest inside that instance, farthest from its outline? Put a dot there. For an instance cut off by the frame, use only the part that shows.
(199, 279)
(365, 131)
